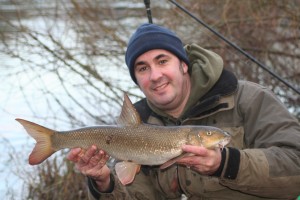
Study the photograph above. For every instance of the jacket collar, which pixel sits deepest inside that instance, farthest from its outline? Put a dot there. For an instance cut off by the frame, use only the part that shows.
(217, 98)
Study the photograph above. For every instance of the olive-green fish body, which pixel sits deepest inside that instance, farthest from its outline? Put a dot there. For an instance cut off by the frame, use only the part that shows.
(145, 144)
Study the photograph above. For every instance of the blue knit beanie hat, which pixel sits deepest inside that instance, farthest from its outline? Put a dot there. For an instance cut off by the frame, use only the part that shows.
(148, 37)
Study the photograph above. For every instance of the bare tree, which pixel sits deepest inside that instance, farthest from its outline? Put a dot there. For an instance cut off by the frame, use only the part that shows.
(81, 45)
(268, 30)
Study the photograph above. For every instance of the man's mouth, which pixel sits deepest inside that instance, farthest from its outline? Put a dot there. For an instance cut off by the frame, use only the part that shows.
(160, 87)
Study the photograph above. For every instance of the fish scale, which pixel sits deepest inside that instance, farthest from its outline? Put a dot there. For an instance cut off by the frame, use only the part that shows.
(143, 144)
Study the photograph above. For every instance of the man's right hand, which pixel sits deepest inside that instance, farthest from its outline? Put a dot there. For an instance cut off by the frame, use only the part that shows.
(92, 163)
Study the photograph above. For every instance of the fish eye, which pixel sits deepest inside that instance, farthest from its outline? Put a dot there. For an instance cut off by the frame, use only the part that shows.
(209, 133)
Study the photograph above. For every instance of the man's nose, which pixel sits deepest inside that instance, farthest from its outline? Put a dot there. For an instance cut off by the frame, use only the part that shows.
(155, 74)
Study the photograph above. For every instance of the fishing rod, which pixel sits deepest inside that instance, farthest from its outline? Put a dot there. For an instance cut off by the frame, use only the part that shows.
(236, 47)
(148, 9)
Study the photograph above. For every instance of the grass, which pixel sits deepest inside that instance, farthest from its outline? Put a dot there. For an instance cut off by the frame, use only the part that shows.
(57, 179)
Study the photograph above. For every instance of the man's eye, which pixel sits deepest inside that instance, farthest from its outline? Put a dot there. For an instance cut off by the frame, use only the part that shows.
(163, 62)
(141, 69)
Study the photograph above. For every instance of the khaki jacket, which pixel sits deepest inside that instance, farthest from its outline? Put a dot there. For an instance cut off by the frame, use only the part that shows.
(262, 160)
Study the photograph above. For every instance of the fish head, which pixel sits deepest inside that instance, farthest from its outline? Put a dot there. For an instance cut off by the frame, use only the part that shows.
(209, 137)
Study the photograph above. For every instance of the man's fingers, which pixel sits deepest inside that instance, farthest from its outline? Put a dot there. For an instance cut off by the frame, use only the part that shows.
(88, 155)
(97, 157)
(102, 162)
(200, 151)
(190, 160)
(73, 154)
(88, 160)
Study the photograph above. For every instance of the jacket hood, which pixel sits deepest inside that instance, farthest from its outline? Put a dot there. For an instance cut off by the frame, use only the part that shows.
(205, 70)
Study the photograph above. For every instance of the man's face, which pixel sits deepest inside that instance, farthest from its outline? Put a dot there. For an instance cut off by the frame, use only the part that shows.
(163, 78)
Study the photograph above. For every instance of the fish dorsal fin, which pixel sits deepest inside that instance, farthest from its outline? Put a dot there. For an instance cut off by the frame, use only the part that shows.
(129, 116)
(126, 171)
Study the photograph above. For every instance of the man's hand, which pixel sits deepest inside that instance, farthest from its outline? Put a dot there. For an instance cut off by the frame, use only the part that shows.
(203, 160)
(92, 163)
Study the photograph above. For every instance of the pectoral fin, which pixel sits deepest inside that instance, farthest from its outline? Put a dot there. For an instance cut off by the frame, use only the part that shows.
(174, 160)
(126, 171)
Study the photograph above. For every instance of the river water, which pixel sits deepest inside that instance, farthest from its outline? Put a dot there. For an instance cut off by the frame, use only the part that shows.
(12, 138)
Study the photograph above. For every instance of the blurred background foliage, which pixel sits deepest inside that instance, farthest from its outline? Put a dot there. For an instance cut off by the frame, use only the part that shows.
(72, 55)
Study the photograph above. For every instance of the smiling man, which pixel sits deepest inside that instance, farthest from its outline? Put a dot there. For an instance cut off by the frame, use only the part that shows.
(189, 86)
(164, 79)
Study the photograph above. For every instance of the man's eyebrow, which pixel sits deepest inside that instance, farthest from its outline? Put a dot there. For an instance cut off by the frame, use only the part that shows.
(139, 63)
(160, 56)
(155, 58)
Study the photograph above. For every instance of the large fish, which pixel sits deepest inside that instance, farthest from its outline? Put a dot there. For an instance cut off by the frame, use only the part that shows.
(131, 141)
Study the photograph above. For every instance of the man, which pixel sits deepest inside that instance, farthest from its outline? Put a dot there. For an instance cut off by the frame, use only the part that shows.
(189, 86)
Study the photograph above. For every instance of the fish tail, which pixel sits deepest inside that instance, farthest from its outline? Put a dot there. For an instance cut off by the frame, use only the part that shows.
(43, 148)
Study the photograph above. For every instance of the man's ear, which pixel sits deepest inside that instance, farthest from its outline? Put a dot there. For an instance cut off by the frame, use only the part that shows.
(183, 67)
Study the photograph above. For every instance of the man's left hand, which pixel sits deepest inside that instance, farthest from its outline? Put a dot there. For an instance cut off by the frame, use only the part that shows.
(203, 160)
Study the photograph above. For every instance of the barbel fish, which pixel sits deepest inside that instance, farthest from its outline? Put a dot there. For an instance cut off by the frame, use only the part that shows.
(132, 142)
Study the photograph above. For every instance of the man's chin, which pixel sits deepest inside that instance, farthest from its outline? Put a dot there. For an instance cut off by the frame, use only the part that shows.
(162, 101)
